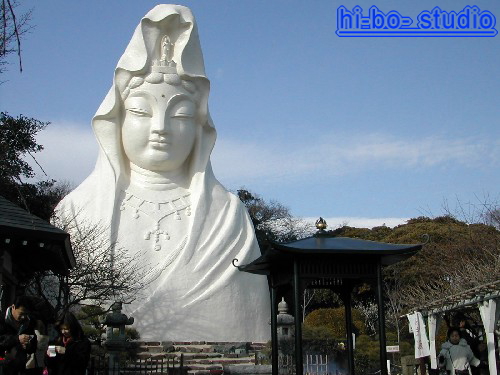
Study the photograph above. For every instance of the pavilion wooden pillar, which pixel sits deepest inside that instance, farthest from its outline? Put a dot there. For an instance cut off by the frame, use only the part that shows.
(346, 297)
(274, 331)
(299, 368)
(381, 320)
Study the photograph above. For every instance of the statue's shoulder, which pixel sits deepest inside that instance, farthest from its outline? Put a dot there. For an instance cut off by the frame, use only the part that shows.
(220, 193)
(84, 203)
(76, 200)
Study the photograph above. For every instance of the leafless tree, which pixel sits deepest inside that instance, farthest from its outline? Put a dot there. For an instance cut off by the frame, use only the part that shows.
(369, 311)
(307, 298)
(484, 209)
(12, 28)
(395, 302)
(103, 273)
(467, 263)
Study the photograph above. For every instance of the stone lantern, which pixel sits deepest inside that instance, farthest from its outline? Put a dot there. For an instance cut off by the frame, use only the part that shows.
(285, 322)
(285, 325)
(116, 340)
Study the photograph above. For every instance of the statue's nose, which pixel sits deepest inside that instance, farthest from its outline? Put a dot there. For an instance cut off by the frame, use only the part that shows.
(161, 124)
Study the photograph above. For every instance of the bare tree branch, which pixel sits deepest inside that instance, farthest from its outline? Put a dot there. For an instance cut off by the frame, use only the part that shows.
(12, 28)
(97, 278)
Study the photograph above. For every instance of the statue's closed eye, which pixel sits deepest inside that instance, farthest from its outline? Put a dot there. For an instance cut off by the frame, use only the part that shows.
(185, 109)
(138, 106)
(139, 112)
(183, 114)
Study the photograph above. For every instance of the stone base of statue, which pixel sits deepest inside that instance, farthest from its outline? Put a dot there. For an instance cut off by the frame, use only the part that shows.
(213, 357)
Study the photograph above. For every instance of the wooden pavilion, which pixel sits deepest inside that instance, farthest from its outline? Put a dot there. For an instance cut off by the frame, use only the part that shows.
(29, 244)
(337, 263)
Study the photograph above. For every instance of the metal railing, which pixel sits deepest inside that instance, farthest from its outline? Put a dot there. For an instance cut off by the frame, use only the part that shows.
(166, 366)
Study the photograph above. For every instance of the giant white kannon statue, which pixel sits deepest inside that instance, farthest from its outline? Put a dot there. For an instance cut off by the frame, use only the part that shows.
(153, 186)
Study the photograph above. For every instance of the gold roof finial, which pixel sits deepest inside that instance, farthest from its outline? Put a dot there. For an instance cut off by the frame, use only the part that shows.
(321, 225)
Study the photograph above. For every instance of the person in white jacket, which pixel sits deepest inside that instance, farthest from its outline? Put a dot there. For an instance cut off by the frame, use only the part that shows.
(456, 356)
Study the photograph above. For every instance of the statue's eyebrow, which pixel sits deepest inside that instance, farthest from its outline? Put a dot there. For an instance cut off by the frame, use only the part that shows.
(179, 98)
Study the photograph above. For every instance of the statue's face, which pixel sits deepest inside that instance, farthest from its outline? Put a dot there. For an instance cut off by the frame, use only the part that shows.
(159, 126)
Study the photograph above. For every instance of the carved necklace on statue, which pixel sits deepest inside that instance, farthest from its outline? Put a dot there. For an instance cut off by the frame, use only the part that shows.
(156, 211)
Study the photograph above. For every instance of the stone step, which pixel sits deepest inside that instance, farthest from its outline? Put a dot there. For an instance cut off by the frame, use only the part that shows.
(189, 343)
(147, 343)
(218, 363)
(258, 345)
(177, 355)
(200, 357)
(205, 367)
(220, 360)
(194, 348)
(202, 361)
(236, 361)
(239, 355)
(188, 356)
(151, 349)
(214, 358)
(195, 343)
(205, 372)
(183, 349)
(198, 346)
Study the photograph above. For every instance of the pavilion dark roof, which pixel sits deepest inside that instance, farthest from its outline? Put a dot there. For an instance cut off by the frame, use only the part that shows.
(337, 249)
(34, 240)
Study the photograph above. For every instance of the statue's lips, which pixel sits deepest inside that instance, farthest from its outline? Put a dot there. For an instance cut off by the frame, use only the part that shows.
(159, 143)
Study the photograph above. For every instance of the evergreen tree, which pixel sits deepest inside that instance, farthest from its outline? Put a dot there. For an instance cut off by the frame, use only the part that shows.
(18, 144)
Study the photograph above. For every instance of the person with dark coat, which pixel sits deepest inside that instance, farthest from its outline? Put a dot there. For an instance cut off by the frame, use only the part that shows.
(17, 324)
(8, 352)
(70, 353)
(471, 337)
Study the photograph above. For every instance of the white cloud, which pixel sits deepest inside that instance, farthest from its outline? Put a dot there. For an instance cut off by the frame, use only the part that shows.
(334, 156)
(71, 150)
(69, 153)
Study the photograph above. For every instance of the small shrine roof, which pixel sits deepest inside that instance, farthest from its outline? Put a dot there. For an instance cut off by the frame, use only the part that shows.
(345, 245)
(36, 243)
(338, 249)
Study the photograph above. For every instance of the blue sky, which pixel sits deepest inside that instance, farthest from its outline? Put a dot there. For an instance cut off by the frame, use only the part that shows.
(346, 128)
